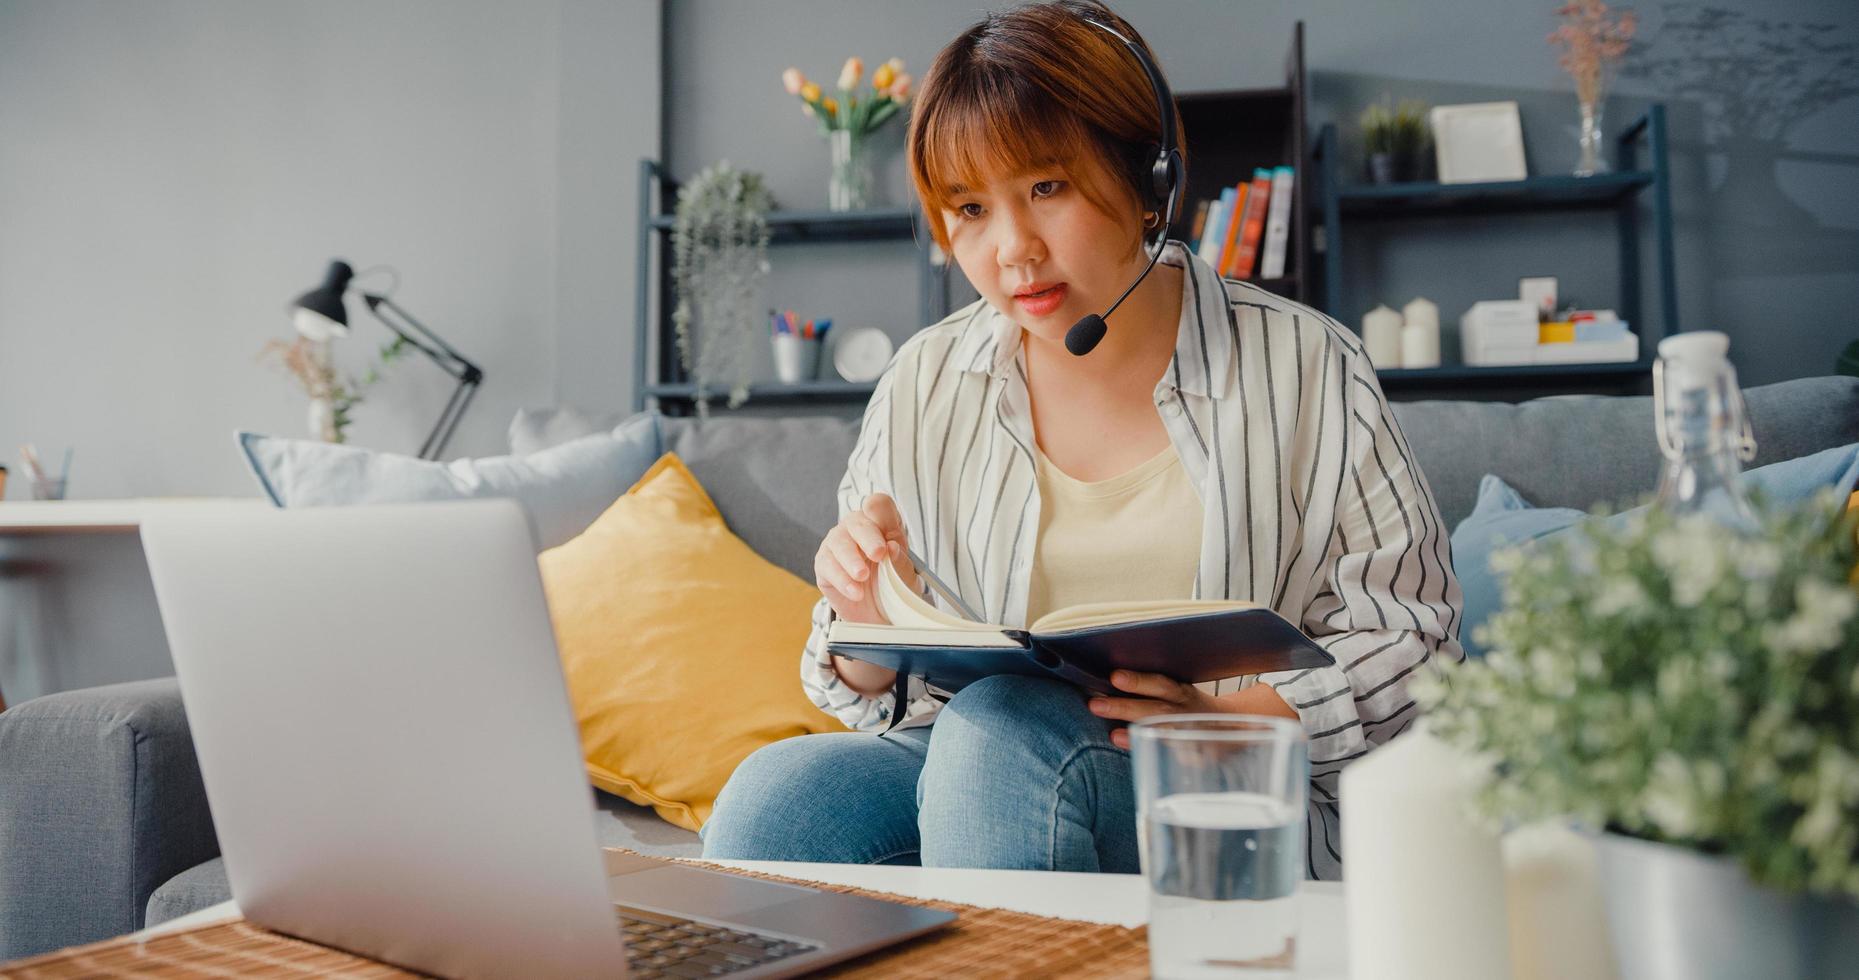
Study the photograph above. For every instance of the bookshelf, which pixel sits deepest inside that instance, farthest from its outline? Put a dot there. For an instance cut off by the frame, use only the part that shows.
(1620, 195)
(1231, 132)
(657, 373)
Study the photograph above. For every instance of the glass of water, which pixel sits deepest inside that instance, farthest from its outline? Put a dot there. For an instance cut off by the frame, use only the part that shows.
(1220, 806)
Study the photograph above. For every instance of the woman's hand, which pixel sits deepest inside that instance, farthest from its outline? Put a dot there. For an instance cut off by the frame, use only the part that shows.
(846, 565)
(845, 568)
(1157, 694)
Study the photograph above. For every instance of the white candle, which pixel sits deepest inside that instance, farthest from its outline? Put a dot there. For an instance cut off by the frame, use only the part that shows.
(1558, 923)
(1422, 311)
(1420, 335)
(1381, 333)
(1420, 345)
(1423, 882)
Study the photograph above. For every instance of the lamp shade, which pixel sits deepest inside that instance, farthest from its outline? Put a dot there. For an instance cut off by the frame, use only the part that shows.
(320, 313)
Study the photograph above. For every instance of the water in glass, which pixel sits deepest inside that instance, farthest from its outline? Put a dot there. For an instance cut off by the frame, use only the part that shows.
(1223, 875)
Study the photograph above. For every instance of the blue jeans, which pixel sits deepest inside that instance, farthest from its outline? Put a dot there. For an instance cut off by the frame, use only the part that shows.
(1016, 773)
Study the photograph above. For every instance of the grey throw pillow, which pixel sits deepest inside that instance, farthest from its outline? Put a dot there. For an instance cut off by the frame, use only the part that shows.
(562, 488)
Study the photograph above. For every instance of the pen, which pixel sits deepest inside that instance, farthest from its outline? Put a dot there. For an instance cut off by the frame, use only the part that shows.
(944, 590)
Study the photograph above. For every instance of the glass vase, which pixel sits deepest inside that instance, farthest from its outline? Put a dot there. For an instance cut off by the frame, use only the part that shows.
(1593, 160)
(850, 186)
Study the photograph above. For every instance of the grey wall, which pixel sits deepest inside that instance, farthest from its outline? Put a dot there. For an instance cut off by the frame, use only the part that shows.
(1768, 222)
(172, 173)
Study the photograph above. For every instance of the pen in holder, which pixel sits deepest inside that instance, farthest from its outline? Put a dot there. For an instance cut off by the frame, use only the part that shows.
(797, 345)
(45, 485)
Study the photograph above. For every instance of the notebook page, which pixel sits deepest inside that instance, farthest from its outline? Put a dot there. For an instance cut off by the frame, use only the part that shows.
(1093, 614)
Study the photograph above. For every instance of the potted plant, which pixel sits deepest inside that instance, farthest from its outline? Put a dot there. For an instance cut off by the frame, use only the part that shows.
(719, 243)
(333, 397)
(1396, 139)
(1695, 694)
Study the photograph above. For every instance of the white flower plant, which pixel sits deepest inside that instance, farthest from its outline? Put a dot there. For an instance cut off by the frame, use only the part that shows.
(719, 243)
(1663, 678)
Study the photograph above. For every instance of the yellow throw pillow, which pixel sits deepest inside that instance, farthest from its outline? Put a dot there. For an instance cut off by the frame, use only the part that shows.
(681, 646)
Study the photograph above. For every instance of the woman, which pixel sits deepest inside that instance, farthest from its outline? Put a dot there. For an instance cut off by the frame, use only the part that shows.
(1220, 442)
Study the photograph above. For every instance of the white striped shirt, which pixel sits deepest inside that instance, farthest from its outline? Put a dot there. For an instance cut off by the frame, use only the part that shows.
(1312, 504)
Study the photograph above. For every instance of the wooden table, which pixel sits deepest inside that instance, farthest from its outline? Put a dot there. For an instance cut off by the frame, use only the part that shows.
(1107, 898)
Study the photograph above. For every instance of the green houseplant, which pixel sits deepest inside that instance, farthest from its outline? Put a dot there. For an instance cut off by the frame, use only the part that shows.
(1395, 139)
(719, 241)
(1682, 686)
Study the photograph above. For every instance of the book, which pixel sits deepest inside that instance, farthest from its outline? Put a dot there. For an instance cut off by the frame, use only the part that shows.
(1191, 640)
(1200, 224)
(1217, 217)
(1241, 208)
(1241, 265)
(1277, 225)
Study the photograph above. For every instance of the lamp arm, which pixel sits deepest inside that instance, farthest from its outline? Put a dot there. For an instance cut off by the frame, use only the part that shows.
(440, 352)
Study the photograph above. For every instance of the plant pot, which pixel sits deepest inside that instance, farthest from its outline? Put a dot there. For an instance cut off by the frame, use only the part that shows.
(1381, 168)
(1677, 914)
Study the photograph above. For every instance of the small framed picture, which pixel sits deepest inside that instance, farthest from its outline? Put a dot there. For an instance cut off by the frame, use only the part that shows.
(1478, 141)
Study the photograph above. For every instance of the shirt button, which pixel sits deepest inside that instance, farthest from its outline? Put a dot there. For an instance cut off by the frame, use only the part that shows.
(1171, 408)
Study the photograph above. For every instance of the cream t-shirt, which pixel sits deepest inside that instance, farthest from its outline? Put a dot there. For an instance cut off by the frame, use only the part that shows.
(1134, 536)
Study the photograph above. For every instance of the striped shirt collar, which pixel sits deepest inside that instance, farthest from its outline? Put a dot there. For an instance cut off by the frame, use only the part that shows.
(1203, 362)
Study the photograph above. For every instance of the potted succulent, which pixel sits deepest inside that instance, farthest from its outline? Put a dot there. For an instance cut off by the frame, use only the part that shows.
(1396, 138)
(1694, 694)
(719, 243)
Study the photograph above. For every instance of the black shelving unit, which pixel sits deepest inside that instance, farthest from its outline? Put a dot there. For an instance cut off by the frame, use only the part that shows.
(657, 373)
(1621, 193)
(1230, 133)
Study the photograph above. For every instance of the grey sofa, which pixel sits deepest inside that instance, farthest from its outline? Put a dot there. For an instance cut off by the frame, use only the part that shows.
(104, 824)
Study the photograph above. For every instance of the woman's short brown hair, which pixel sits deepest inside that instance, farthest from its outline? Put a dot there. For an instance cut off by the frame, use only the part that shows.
(1033, 87)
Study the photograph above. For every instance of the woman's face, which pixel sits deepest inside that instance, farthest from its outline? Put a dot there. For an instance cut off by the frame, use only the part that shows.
(1038, 250)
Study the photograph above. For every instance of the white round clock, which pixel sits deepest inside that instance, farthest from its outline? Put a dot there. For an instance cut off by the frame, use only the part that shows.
(861, 355)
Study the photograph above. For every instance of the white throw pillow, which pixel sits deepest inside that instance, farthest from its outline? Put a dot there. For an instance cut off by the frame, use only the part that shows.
(536, 429)
(562, 488)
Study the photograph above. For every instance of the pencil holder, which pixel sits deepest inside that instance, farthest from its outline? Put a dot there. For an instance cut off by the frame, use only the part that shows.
(796, 358)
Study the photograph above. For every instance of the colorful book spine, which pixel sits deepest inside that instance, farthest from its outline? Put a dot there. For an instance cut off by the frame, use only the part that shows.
(1257, 198)
(1199, 225)
(1216, 226)
(1277, 225)
(1233, 227)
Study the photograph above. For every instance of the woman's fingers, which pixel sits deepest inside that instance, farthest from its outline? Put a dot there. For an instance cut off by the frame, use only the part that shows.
(1130, 709)
(828, 575)
(1158, 686)
(851, 561)
(867, 535)
(881, 510)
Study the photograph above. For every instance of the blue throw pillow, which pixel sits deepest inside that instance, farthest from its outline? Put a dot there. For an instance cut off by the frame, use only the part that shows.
(1502, 517)
(562, 488)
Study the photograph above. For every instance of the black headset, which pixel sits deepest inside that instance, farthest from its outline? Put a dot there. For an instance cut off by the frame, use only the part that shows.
(1163, 192)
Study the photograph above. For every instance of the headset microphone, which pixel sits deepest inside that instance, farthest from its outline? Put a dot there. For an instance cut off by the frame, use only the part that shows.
(1164, 193)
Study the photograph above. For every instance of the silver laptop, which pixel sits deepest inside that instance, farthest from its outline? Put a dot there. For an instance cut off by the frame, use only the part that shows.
(394, 768)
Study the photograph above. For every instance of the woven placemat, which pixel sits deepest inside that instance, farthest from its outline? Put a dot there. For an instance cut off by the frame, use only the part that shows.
(981, 943)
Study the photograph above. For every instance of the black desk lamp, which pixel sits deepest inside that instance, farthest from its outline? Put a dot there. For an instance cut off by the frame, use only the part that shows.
(321, 310)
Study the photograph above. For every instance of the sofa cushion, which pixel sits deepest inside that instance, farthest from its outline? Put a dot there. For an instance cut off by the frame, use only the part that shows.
(775, 480)
(1503, 517)
(679, 644)
(561, 488)
(1582, 450)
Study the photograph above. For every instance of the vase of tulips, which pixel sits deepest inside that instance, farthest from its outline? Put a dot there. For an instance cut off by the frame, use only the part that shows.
(845, 121)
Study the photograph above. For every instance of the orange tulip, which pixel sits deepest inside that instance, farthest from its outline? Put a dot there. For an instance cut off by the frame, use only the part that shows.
(882, 78)
(810, 92)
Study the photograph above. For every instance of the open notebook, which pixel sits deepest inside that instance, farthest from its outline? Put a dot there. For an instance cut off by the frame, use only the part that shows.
(1191, 640)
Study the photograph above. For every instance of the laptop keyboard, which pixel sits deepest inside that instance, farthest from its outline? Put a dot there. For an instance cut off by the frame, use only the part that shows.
(659, 945)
